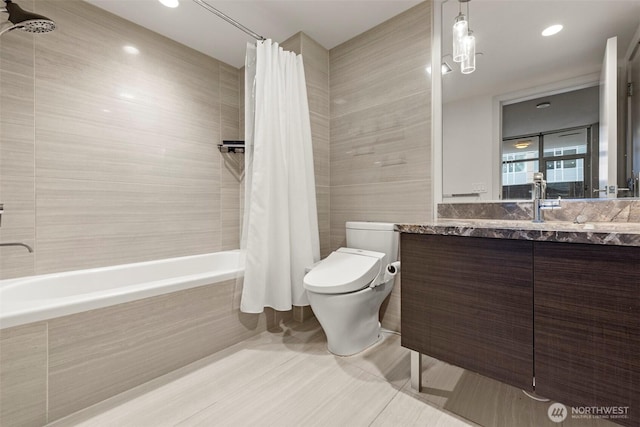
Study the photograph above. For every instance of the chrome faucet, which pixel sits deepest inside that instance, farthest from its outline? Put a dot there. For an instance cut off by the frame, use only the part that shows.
(29, 248)
(539, 192)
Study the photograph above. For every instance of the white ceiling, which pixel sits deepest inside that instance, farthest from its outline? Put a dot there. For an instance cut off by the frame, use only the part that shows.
(515, 55)
(328, 22)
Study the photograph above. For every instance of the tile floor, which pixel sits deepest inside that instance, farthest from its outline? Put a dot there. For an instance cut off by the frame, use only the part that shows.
(287, 378)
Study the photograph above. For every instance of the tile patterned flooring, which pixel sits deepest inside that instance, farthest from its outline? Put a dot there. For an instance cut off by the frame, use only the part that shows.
(287, 378)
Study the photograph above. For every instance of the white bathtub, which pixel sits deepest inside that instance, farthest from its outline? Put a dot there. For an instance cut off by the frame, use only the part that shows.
(30, 299)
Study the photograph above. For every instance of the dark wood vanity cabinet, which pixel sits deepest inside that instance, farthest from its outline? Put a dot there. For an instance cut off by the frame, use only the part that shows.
(468, 301)
(485, 304)
(587, 325)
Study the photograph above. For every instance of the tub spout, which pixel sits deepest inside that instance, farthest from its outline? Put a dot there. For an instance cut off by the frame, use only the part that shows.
(18, 244)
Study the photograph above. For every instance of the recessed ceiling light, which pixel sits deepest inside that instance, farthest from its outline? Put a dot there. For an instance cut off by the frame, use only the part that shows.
(543, 105)
(170, 3)
(554, 29)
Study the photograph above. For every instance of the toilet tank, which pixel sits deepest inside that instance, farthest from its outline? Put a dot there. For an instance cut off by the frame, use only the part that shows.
(373, 236)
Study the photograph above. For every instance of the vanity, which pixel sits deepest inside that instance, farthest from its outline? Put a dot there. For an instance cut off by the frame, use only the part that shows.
(551, 308)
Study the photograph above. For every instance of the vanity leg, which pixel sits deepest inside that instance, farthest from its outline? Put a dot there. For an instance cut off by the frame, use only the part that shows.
(416, 370)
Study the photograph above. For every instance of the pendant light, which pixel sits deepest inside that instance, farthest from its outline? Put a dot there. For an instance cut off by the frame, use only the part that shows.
(460, 31)
(468, 64)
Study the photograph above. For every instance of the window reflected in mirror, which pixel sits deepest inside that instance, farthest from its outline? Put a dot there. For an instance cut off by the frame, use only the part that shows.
(563, 156)
(555, 135)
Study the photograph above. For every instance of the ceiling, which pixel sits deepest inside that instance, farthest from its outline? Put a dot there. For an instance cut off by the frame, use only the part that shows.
(328, 22)
(514, 54)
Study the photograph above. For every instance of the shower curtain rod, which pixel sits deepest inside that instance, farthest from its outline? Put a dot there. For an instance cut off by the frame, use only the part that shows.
(229, 20)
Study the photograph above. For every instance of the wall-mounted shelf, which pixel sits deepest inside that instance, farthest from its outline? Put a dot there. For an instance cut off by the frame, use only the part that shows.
(229, 146)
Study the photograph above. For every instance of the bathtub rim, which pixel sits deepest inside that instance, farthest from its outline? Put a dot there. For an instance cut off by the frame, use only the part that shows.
(24, 313)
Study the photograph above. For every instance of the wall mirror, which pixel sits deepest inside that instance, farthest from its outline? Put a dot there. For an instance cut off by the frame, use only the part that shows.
(516, 69)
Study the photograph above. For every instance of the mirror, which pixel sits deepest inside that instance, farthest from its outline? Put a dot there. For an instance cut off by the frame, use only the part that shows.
(515, 63)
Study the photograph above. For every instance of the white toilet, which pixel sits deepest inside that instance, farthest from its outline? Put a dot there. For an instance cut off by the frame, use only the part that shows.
(347, 288)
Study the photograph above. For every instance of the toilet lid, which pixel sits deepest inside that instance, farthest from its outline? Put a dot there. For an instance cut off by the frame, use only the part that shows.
(345, 270)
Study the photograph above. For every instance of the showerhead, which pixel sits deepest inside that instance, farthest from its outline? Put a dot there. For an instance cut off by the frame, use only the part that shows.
(27, 21)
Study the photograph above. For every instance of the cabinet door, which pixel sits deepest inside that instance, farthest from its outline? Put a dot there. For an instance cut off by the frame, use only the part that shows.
(587, 325)
(468, 301)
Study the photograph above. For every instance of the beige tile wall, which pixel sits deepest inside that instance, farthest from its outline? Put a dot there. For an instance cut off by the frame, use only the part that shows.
(232, 165)
(23, 375)
(17, 133)
(108, 157)
(380, 127)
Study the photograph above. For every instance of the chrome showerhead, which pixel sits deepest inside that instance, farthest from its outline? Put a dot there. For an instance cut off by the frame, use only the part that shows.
(26, 21)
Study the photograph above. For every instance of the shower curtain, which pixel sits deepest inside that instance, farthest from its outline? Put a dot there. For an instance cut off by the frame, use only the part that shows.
(280, 226)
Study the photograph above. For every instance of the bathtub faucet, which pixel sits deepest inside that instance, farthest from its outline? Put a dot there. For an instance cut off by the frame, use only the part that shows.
(18, 244)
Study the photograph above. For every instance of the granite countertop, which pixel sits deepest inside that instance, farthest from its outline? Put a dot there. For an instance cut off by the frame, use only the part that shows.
(601, 233)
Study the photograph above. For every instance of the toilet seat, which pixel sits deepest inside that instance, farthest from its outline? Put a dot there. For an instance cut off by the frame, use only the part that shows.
(345, 270)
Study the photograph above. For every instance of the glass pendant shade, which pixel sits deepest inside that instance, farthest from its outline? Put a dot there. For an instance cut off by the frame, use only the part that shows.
(460, 31)
(468, 65)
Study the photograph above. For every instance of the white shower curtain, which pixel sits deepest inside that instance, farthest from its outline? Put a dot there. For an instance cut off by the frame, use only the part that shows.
(280, 226)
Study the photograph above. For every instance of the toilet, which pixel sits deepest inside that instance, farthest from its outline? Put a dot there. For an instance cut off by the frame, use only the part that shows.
(347, 288)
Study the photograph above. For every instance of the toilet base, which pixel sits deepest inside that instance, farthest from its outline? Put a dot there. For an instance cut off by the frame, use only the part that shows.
(350, 321)
(377, 341)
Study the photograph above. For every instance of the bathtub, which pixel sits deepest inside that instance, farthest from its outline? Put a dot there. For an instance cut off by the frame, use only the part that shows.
(31, 299)
(71, 340)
